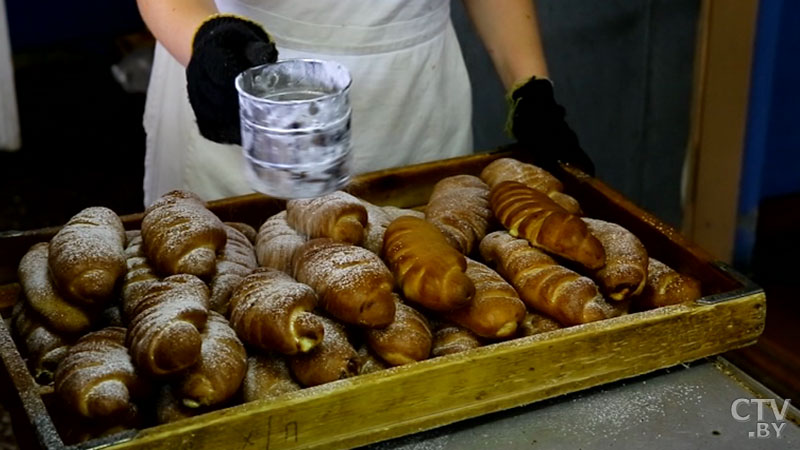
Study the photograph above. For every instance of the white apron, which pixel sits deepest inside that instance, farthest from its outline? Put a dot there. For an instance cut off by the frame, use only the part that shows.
(410, 93)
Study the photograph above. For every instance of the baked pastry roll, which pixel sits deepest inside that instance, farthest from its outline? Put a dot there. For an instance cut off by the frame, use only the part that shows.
(96, 378)
(277, 243)
(41, 294)
(219, 370)
(429, 271)
(352, 283)
(333, 359)
(43, 349)
(87, 256)
(535, 323)
(180, 235)
(449, 338)
(545, 285)
(138, 278)
(509, 169)
(666, 286)
(407, 339)
(530, 214)
(273, 312)
(236, 260)
(338, 215)
(459, 208)
(625, 271)
(267, 376)
(495, 310)
(164, 329)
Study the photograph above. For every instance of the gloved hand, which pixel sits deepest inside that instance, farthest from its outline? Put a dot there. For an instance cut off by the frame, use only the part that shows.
(537, 121)
(222, 48)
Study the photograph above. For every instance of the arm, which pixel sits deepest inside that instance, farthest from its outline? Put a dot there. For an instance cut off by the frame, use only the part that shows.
(510, 31)
(174, 22)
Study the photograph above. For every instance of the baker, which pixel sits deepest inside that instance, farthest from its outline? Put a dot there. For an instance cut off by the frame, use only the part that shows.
(410, 94)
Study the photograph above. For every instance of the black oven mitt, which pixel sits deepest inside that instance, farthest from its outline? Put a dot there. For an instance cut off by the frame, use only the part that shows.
(538, 122)
(223, 46)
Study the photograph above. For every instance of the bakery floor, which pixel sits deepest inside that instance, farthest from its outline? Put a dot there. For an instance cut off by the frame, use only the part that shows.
(83, 145)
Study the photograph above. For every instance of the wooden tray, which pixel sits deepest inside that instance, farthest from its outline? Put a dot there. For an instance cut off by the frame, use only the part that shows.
(435, 392)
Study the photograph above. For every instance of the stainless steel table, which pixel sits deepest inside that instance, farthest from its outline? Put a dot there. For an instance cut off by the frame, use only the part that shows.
(708, 405)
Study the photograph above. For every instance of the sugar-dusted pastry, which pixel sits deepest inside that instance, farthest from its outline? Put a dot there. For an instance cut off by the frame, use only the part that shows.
(338, 215)
(509, 169)
(57, 313)
(248, 231)
(394, 212)
(181, 235)
(43, 349)
(545, 285)
(170, 407)
(164, 332)
(429, 271)
(377, 221)
(536, 323)
(532, 215)
(267, 376)
(273, 312)
(139, 276)
(495, 310)
(449, 338)
(666, 286)
(407, 339)
(218, 373)
(96, 378)
(369, 362)
(459, 208)
(333, 359)
(236, 260)
(625, 271)
(277, 243)
(87, 256)
(352, 283)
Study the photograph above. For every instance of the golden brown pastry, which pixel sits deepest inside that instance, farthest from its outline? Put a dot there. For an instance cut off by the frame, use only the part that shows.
(277, 243)
(236, 261)
(544, 285)
(164, 330)
(535, 323)
(369, 362)
(43, 349)
(625, 271)
(530, 214)
(377, 221)
(138, 278)
(352, 283)
(394, 212)
(248, 231)
(267, 377)
(495, 310)
(405, 340)
(87, 256)
(429, 271)
(333, 359)
(509, 169)
(181, 235)
(450, 338)
(56, 312)
(170, 407)
(459, 208)
(337, 215)
(665, 286)
(273, 312)
(220, 369)
(96, 378)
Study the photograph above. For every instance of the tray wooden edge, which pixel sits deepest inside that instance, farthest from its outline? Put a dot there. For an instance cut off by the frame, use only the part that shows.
(444, 390)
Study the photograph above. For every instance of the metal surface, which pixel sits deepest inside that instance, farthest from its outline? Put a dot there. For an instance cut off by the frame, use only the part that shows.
(685, 407)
